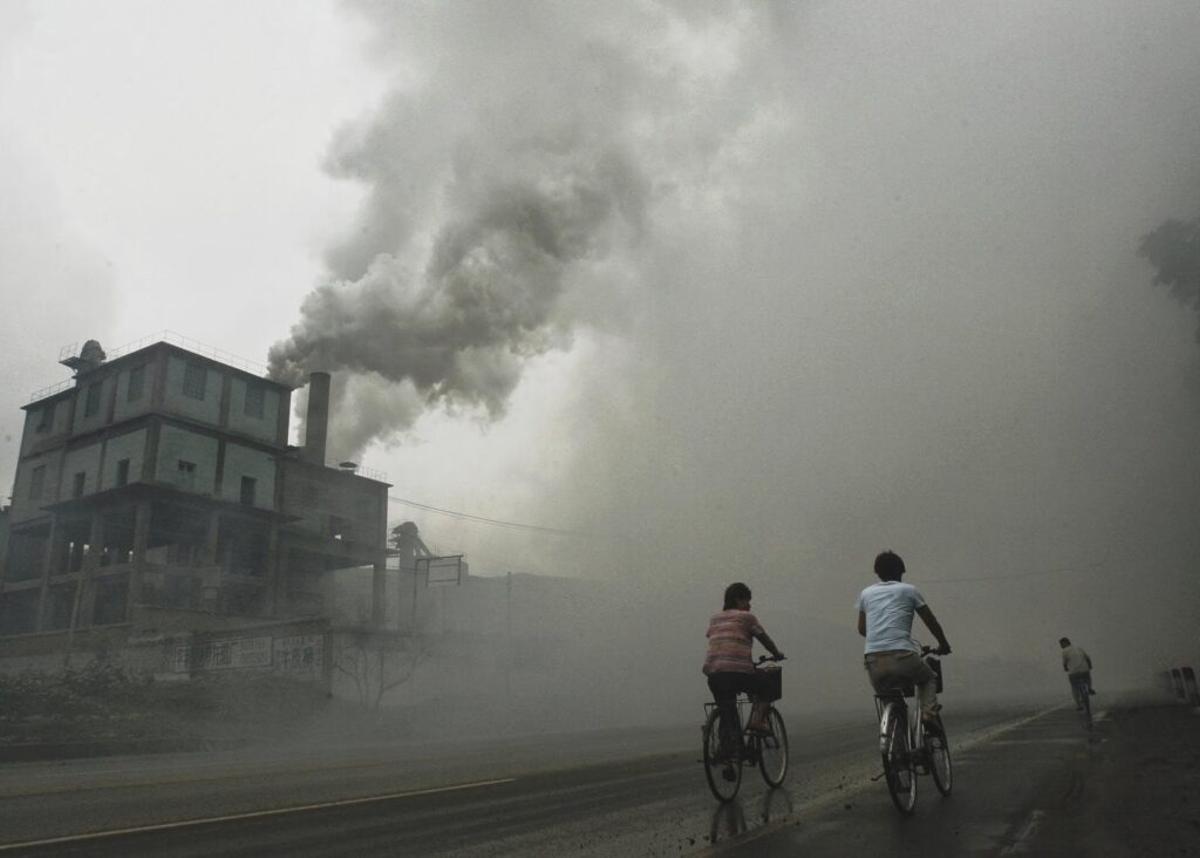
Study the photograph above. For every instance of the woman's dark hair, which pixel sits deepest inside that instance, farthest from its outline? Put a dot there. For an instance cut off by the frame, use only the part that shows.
(734, 592)
(889, 566)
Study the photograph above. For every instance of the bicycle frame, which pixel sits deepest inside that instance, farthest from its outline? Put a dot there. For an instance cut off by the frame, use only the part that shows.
(886, 709)
(927, 751)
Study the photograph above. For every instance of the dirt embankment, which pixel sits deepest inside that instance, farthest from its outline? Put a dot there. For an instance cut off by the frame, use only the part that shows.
(103, 709)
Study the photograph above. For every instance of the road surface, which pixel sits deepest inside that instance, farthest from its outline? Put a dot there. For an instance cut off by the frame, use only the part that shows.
(617, 793)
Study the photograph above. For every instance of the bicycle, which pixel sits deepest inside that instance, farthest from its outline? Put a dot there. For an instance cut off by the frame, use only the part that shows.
(908, 749)
(767, 750)
(1081, 690)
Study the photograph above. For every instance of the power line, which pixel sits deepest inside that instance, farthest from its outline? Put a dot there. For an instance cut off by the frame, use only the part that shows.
(494, 522)
(1039, 573)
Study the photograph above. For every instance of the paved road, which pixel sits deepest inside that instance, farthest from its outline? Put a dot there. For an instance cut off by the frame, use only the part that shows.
(1045, 788)
(617, 793)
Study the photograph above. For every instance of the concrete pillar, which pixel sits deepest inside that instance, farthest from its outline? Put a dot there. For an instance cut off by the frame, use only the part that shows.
(316, 424)
(406, 540)
(275, 573)
(378, 592)
(211, 534)
(141, 536)
(86, 595)
(49, 560)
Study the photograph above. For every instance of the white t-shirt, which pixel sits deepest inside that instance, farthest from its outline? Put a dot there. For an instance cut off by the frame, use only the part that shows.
(889, 606)
(1075, 660)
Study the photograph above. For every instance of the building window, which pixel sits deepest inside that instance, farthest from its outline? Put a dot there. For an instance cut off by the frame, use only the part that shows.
(256, 396)
(123, 472)
(37, 482)
(194, 376)
(137, 381)
(80, 480)
(91, 403)
(248, 484)
(339, 528)
(187, 472)
(46, 418)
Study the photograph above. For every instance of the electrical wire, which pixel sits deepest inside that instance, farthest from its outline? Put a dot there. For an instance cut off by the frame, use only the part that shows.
(1038, 573)
(493, 522)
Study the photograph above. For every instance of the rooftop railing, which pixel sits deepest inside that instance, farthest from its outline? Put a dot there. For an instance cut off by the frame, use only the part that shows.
(167, 336)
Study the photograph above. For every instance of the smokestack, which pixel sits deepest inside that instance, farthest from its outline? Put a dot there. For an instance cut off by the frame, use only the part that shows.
(317, 421)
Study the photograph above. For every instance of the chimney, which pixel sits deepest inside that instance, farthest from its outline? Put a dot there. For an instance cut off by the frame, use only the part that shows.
(317, 421)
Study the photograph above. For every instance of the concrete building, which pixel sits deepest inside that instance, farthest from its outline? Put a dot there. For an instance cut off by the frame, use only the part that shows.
(156, 493)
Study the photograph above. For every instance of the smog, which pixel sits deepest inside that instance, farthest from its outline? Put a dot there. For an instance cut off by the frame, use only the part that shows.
(623, 303)
(828, 307)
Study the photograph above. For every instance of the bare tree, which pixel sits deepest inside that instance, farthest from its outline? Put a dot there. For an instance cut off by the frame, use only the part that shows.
(378, 661)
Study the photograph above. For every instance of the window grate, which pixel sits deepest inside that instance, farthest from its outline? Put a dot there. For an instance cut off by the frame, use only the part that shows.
(256, 396)
(137, 381)
(194, 377)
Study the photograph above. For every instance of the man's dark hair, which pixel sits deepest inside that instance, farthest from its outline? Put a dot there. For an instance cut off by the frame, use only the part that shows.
(734, 592)
(1064, 641)
(889, 566)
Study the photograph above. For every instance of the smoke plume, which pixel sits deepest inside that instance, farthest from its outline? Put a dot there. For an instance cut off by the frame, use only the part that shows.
(507, 177)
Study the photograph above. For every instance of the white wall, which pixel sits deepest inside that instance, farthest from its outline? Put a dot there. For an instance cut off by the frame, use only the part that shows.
(22, 506)
(124, 407)
(175, 444)
(245, 462)
(264, 428)
(87, 460)
(207, 410)
(131, 446)
(59, 426)
(84, 422)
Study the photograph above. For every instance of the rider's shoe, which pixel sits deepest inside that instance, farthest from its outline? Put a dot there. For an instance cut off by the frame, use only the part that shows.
(729, 772)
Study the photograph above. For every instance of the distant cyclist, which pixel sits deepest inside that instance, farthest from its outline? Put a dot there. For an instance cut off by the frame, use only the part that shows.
(885, 616)
(729, 665)
(1078, 665)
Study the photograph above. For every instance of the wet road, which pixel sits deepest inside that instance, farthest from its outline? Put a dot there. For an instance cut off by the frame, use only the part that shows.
(637, 792)
(1026, 791)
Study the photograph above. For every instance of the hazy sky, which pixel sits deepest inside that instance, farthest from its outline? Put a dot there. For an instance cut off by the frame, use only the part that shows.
(744, 290)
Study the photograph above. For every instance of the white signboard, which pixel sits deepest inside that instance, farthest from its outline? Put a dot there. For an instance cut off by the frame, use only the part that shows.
(441, 570)
(300, 654)
(224, 655)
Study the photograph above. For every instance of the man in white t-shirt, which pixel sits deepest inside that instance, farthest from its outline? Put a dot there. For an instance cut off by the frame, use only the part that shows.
(1078, 665)
(885, 616)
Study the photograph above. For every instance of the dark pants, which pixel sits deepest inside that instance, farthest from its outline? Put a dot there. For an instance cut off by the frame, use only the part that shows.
(725, 687)
(1081, 686)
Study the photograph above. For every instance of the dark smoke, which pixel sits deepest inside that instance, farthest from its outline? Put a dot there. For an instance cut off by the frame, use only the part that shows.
(448, 313)
(1173, 248)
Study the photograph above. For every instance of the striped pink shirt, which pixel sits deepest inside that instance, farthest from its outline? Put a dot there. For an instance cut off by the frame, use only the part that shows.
(730, 640)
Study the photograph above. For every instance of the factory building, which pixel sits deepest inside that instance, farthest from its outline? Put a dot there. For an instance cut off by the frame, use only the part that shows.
(156, 492)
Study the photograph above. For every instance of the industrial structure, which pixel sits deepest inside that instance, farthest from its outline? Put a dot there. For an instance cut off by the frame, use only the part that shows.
(156, 494)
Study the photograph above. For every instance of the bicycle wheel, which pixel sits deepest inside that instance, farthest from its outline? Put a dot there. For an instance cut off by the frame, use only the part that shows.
(937, 745)
(722, 769)
(773, 750)
(898, 766)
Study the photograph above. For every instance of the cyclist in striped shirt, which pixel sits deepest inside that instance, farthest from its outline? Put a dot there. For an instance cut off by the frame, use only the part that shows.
(729, 665)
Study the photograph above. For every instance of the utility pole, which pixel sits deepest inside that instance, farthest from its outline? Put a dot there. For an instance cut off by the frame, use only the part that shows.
(508, 656)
